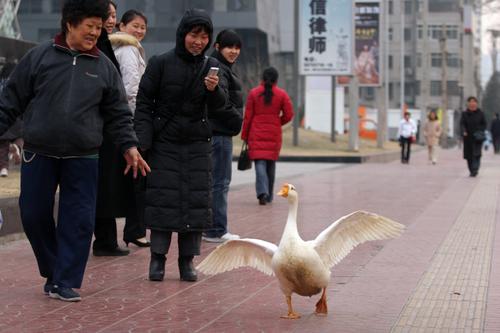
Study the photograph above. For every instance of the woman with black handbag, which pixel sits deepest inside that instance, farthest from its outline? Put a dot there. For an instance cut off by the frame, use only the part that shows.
(473, 125)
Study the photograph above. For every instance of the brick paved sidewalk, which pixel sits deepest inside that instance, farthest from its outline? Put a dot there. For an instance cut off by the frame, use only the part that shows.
(441, 275)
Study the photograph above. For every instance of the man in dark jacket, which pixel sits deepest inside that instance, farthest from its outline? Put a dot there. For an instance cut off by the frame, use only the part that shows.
(473, 125)
(495, 133)
(67, 91)
(225, 125)
(171, 123)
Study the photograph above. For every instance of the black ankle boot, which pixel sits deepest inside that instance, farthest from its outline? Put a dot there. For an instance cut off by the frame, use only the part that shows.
(157, 267)
(186, 269)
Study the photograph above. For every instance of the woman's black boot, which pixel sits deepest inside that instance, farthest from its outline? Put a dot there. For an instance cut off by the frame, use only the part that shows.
(186, 269)
(157, 267)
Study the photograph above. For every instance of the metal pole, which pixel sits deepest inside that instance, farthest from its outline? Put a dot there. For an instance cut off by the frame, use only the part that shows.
(353, 114)
(384, 89)
(424, 81)
(444, 87)
(402, 59)
(296, 118)
(332, 136)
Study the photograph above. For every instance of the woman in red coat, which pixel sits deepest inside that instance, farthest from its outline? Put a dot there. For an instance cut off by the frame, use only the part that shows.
(267, 109)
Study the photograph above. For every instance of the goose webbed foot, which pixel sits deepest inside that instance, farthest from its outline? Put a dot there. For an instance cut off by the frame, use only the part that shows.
(321, 307)
(291, 314)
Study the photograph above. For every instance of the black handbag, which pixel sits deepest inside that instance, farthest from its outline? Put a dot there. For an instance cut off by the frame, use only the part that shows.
(244, 161)
(479, 136)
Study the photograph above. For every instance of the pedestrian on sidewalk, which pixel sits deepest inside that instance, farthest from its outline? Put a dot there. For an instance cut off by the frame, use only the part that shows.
(115, 192)
(171, 122)
(432, 132)
(67, 91)
(495, 133)
(473, 125)
(225, 125)
(123, 195)
(406, 133)
(268, 108)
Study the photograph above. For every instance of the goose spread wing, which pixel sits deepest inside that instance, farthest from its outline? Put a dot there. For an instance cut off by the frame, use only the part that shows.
(232, 254)
(336, 241)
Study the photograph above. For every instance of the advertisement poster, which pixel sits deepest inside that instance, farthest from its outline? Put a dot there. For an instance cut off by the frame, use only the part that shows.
(326, 37)
(367, 44)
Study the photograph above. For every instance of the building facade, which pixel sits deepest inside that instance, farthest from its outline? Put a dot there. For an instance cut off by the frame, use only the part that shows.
(255, 20)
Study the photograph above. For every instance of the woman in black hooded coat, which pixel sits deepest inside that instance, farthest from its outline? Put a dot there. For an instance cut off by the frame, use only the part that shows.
(171, 124)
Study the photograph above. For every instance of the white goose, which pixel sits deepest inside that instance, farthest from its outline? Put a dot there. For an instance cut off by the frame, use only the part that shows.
(302, 267)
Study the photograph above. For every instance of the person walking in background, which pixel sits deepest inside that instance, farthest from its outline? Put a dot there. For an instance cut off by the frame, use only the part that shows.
(406, 133)
(495, 133)
(473, 125)
(115, 191)
(432, 132)
(268, 108)
(225, 125)
(67, 90)
(171, 123)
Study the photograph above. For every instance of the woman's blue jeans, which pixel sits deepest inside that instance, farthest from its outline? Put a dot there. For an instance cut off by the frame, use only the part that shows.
(265, 171)
(222, 154)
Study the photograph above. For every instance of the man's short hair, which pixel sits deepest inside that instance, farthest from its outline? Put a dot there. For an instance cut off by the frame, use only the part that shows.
(75, 11)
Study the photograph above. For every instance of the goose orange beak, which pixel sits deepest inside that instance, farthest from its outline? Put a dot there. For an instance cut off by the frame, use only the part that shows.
(284, 191)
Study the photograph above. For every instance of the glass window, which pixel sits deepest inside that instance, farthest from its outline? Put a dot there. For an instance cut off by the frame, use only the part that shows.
(241, 5)
(408, 5)
(407, 34)
(419, 59)
(436, 88)
(407, 61)
(391, 32)
(391, 7)
(436, 60)
(439, 6)
(30, 7)
(390, 62)
(453, 60)
(453, 88)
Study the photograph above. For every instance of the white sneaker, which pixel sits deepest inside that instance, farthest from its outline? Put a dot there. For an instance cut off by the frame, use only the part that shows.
(228, 236)
(213, 239)
(4, 172)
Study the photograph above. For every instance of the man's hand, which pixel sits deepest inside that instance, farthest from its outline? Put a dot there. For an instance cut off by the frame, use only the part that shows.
(135, 161)
(211, 82)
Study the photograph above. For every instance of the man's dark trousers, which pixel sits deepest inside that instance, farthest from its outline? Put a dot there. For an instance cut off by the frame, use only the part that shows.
(61, 251)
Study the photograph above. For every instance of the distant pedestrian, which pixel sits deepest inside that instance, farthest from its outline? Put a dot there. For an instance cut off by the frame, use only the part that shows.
(225, 125)
(406, 133)
(268, 108)
(67, 90)
(473, 125)
(432, 132)
(495, 133)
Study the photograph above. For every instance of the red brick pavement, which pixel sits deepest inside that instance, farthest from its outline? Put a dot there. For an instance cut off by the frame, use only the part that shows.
(368, 289)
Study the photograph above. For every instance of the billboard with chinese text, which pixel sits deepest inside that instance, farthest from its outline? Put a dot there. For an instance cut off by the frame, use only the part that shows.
(367, 44)
(325, 37)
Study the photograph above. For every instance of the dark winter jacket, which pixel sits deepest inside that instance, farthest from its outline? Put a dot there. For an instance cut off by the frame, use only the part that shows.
(228, 122)
(104, 44)
(262, 123)
(471, 122)
(171, 123)
(66, 100)
(495, 128)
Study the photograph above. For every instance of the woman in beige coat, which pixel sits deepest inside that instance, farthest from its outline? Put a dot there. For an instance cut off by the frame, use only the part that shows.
(432, 132)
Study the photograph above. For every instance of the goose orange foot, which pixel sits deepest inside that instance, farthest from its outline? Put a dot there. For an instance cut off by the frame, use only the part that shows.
(291, 314)
(321, 307)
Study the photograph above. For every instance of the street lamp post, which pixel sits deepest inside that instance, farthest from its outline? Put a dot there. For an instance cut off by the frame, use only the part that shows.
(444, 87)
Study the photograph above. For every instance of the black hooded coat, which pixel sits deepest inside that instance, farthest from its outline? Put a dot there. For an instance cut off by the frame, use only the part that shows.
(172, 127)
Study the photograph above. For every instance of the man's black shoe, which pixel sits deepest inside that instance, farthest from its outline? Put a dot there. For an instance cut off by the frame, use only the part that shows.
(116, 252)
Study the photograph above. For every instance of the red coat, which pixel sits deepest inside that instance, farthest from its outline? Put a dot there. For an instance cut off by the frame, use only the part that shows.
(262, 123)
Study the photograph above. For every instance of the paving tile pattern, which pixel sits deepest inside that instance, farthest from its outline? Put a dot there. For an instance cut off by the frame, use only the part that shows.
(369, 290)
(452, 295)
